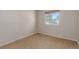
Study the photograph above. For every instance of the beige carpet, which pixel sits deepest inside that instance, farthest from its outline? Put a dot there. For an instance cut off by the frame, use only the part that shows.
(41, 41)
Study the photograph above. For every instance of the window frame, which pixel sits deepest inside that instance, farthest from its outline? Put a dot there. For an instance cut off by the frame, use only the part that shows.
(49, 12)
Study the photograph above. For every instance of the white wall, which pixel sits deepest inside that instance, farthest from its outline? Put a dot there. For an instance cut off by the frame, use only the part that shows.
(78, 26)
(16, 24)
(69, 24)
(66, 29)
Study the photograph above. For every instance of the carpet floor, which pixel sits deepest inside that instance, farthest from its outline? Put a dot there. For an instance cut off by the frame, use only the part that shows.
(41, 41)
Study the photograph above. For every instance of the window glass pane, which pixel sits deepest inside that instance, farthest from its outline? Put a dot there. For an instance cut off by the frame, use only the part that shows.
(53, 18)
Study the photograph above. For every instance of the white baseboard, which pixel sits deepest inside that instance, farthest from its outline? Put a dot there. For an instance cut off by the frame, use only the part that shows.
(25, 36)
(11, 41)
(59, 36)
(3, 44)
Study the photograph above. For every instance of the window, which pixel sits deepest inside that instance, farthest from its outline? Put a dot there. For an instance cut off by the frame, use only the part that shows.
(52, 18)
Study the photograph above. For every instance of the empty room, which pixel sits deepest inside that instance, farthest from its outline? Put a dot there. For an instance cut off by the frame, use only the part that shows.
(39, 29)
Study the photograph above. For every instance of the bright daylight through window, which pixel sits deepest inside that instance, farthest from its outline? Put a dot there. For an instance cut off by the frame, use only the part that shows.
(52, 18)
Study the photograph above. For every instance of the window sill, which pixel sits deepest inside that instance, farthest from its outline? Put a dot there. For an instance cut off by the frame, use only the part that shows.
(51, 24)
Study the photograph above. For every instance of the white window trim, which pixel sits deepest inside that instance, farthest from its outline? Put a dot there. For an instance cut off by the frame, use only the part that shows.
(46, 18)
